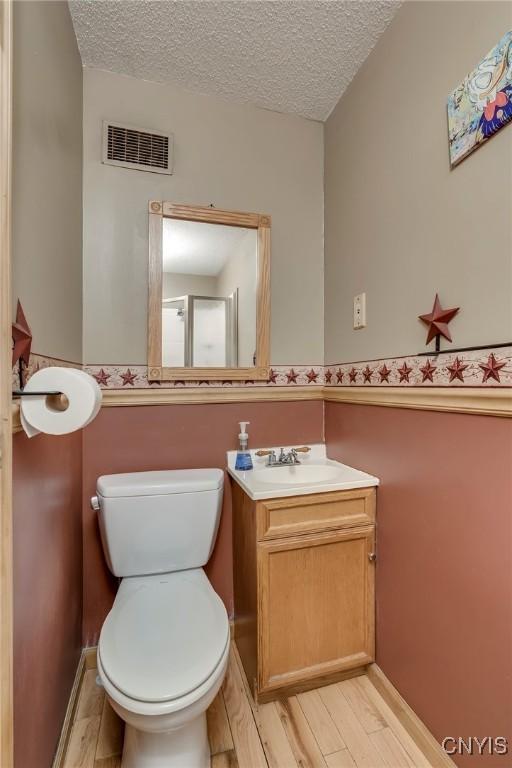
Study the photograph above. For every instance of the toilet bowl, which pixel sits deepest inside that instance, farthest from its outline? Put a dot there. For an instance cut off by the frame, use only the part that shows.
(164, 646)
(162, 657)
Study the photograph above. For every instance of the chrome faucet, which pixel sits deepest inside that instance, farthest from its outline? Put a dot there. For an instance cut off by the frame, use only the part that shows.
(284, 459)
(288, 458)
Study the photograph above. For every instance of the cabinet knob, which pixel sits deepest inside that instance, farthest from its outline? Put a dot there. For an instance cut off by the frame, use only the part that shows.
(372, 557)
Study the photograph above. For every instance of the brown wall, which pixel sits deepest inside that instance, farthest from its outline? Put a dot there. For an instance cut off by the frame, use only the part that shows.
(47, 590)
(444, 568)
(173, 437)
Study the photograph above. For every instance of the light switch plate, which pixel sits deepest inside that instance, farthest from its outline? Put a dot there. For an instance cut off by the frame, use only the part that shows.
(360, 311)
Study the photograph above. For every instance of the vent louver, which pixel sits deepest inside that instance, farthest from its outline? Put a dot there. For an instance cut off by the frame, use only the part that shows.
(137, 148)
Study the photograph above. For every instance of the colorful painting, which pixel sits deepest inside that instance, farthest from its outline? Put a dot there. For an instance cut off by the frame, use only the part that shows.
(482, 103)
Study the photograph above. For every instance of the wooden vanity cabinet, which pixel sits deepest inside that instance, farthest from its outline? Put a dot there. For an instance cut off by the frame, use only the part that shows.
(303, 588)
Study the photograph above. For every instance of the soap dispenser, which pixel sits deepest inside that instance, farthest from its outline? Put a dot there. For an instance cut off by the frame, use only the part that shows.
(243, 456)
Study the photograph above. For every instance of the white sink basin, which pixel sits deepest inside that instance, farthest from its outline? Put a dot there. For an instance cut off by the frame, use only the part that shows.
(309, 473)
(316, 474)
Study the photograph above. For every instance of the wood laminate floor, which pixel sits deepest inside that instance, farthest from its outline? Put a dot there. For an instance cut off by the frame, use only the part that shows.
(345, 725)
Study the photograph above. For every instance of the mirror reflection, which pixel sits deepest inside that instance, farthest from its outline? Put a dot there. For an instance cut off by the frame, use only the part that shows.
(208, 295)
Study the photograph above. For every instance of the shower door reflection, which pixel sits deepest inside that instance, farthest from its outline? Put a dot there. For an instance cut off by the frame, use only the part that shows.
(200, 331)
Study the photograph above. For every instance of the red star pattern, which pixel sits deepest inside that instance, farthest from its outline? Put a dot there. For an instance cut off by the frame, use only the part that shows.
(456, 369)
(495, 367)
(367, 374)
(128, 378)
(438, 320)
(384, 373)
(102, 377)
(428, 371)
(404, 372)
(491, 368)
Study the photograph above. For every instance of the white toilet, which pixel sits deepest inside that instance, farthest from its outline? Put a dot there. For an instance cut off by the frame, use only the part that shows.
(164, 646)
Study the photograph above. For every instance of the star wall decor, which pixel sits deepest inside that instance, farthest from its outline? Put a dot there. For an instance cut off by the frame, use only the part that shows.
(22, 338)
(384, 373)
(352, 375)
(491, 368)
(339, 376)
(328, 376)
(292, 377)
(437, 322)
(312, 376)
(272, 376)
(367, 373)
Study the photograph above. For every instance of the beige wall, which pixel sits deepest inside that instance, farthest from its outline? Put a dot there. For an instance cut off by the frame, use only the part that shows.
(234, 156)
(400, 224)
(47, 177)
(180, 285)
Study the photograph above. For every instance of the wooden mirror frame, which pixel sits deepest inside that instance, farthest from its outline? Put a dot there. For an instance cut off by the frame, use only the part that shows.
(158, 211)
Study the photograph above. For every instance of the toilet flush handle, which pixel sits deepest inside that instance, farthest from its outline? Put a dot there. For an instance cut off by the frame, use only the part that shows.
(95, 504)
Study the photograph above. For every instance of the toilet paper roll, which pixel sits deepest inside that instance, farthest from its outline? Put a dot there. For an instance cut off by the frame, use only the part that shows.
(59, 416)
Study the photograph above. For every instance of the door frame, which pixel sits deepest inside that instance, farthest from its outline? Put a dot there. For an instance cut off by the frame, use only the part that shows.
(6, 555)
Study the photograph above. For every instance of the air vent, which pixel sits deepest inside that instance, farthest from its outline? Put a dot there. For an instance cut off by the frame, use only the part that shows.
(137, 148)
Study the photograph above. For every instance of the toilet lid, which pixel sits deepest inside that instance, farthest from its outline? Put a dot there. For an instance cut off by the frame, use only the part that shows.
(164, 636)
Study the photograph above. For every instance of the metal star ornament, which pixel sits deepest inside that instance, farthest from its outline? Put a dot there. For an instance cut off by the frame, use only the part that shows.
(437, 322)
(21, 336)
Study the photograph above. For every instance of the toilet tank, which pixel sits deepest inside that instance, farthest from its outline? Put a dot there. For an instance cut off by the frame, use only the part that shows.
(158, 522)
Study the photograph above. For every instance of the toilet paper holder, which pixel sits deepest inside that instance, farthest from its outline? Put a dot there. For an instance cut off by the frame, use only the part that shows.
(22, 393)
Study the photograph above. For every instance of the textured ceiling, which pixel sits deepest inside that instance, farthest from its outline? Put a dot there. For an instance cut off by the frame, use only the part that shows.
(293, 56)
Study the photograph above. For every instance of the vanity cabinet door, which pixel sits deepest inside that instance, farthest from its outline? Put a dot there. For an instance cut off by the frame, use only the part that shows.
(317, 614)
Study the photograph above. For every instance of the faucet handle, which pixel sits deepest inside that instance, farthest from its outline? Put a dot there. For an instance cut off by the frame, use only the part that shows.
(264, 453)
(303, 449)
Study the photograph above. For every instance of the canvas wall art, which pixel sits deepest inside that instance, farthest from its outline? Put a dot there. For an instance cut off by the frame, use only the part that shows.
(482, 103)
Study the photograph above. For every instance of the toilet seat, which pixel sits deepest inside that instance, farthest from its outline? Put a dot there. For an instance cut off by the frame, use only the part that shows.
(164, 637)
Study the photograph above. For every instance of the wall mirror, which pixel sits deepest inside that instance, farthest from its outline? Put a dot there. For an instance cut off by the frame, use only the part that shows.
(209, 293)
